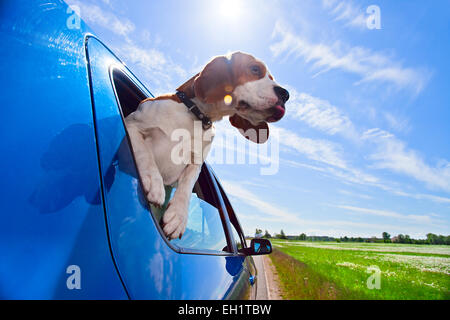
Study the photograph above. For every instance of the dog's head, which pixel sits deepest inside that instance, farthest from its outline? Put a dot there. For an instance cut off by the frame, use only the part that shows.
(247, 88)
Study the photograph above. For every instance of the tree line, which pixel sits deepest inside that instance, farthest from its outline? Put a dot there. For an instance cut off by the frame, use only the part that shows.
(385, 238)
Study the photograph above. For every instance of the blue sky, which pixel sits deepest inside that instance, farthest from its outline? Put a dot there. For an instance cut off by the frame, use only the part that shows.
(364, 146)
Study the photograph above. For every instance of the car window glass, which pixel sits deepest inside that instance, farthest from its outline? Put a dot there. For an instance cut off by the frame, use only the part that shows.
(204, 230)
(238, 236)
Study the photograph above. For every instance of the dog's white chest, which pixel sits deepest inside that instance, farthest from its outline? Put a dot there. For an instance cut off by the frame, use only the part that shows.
(173, 153)
(175, 138)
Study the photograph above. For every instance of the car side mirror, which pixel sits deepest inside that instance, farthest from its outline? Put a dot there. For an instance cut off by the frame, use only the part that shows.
(257, 247)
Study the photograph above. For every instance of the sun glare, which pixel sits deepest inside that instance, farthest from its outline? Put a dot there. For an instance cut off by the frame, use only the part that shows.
(230, 9)
(228, 99)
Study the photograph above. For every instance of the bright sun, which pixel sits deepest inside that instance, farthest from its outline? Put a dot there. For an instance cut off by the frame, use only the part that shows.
(230, 9)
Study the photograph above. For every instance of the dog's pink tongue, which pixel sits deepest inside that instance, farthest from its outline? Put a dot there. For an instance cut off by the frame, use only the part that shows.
(280, 110)
(278, 114)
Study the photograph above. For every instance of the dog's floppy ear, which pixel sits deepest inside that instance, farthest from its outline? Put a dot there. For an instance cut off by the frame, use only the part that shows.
(257, 134)
(188, 86)
(215, 81)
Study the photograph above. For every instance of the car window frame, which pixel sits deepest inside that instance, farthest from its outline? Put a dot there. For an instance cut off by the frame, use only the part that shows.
(222, 213)
(234, 221)
(124, 71)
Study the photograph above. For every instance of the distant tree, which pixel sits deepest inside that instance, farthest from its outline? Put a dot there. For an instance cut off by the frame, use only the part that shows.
(282, 235)
(407, 239)
(431, 238)
(258, 233)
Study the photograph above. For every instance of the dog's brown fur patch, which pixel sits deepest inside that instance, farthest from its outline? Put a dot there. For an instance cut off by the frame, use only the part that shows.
(173, 97)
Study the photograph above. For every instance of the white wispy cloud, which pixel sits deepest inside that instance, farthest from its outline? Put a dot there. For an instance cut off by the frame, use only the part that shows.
(94, 14)
(393, 154)
(319, 114)
(329, 157)
(274, 211)
(411, 218)
(351, 14)
(322, 115)
(354, 194)
(376, 134)
(348, 175)
(294, 223)
(318, 150)
(370, 66)
(354, 176)
(156, 67)
(423, 196)
(399, 124)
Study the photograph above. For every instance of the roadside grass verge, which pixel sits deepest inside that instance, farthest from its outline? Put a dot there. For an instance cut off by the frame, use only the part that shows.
(330, 271)
(300, 282)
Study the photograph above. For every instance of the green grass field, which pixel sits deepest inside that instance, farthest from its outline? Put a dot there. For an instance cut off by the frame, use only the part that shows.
(330, 270)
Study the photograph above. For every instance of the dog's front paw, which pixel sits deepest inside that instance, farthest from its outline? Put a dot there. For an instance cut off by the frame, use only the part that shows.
(175, 220)
(154, 188)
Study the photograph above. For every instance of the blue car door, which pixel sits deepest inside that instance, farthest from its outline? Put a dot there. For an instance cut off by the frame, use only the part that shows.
(149, 265)
(51, 218)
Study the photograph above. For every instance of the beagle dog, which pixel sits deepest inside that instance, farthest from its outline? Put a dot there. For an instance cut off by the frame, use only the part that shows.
(238, 86)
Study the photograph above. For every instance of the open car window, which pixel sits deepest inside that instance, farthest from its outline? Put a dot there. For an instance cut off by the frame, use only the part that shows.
(205, 229)
(238, 234)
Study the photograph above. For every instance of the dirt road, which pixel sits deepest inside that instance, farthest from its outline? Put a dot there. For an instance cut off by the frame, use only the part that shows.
(268, 283)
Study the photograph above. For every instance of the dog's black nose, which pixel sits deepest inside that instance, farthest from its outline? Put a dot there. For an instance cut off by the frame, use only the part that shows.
(282, 93)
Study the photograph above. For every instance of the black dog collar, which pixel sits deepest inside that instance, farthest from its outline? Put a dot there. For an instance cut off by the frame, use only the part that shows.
(192, 107)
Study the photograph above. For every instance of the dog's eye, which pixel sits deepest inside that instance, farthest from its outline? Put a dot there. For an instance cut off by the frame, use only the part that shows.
(255, 70)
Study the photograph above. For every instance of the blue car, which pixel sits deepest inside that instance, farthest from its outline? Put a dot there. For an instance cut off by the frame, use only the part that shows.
(74, 222)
